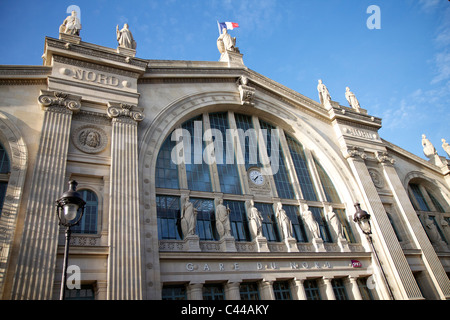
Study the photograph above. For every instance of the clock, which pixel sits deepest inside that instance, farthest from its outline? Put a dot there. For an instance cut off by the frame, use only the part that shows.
(256, 177)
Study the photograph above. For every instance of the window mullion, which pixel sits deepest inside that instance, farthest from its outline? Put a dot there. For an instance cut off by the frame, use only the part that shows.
(290, 166)
(315, 175)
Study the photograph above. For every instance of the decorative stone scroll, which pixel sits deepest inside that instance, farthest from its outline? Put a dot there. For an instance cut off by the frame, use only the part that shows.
(355, 153)
(384, 158)
(123, 112)
(60, 99)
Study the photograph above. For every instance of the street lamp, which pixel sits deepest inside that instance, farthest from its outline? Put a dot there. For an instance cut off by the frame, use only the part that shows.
(362, 219)
(67, 209)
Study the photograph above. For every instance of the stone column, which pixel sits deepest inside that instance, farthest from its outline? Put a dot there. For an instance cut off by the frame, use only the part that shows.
(267, 290)
(195, 291)
(384, 238)
(328, 289)
(36, 259)
(353, 285)
(429, 257)
(124, 262)
(299, 292)
(232, 291)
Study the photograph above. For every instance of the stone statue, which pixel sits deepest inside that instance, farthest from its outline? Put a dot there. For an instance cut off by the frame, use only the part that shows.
(335, 223)
(284, 222)
(428, 148)
(351, 98)
(188, 218)
(431, 230)
(222, 219)
(310, 221)
(324, 95)
(255, 220)
(71, 25)
(446, 147)
(125, 38)
(226, 43)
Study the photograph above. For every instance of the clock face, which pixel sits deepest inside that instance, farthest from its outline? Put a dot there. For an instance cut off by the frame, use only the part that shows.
(256, 177)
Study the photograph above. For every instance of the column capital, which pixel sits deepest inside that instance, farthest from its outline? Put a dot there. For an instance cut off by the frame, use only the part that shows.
(384, 158)
(355, 153)
(59, 101)
(123, 112)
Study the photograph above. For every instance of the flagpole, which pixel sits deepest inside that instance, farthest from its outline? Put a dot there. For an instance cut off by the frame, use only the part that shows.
(218, 27)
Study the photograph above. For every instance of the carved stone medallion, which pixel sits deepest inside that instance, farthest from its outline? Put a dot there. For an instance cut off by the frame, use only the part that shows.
(376, 178)
(90, 139)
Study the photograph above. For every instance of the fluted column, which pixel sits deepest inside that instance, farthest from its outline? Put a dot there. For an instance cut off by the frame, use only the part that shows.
(383, 233)
(124, 262)
(430, 259)
(37, 255)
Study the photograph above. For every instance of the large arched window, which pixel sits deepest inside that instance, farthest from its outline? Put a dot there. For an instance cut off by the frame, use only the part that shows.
(227, 137)
(4, 175)
(432, 209)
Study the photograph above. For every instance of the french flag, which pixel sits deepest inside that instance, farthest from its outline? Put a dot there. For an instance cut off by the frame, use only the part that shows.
(227, 25)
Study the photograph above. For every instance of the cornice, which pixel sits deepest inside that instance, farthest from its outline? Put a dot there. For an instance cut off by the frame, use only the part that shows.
(92, 53)
(401, 153)
(24, 72)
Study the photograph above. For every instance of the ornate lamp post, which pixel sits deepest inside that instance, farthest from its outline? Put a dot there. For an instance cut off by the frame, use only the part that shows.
(362, 219)
(69, 215)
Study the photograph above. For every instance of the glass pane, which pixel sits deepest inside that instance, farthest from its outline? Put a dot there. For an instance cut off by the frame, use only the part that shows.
(4, 160)
(301, 168)
(281, 176)
(269, 222)
(248, 139)
(205, 218)
(168, 214)
(328, 186)
(226, 164)
(419, 197)
(297, 222)
(197, 170)
(166, 172)
(88, 223)
(238, 220)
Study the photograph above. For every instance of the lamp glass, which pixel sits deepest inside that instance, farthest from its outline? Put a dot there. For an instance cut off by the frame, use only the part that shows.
(365, 226)
(70, 211)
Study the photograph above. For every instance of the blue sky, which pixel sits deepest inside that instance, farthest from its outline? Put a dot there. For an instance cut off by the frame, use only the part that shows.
(400, 72)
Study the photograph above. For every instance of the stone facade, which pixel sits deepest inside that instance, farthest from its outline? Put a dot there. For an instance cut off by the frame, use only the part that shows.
(101, 116)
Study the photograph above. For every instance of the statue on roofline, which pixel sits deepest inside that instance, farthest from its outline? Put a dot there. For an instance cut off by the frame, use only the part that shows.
(71, 25)
(125, 37)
